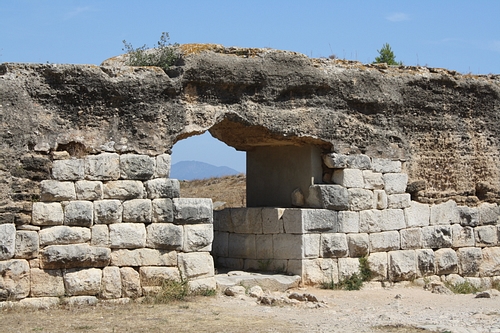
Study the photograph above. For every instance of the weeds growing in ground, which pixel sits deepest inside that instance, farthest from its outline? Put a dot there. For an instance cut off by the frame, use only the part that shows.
(175, 290)
(353, 282)
(464, 287)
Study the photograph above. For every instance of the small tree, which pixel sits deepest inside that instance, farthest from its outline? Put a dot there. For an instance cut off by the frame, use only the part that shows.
(386, 55)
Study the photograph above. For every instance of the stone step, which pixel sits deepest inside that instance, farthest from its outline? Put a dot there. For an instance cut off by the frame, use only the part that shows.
(268, 282)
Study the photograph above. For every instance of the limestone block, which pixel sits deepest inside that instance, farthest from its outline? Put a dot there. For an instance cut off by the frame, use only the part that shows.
(62, 235)
(468, 216)
(411, 238)
(348, 222)
(298, 198)
(333, 245)
(462, 236)
(100, 235)
(286, 246)
(154, 276)
(71, 169)
(34, 263)
(444, 213)
(220, 245)
(163, 210)
(301, 220)
(264, 249)
(127, 235)
(490, 265)
(54, 190)
(27, 244)
(133, 166)
(469, 261)
(399, 200)
(124, 190)
(111, 283)
(74, 256)
(348, 267)
(272, 222)
(384, 241)
(486, 235)
(39, 303)
(393, 219)
(373, 180)
(7, 241)
(47, 283)
(137, 210)
(385, 165)
(105, 166)
(425, 262)
(163, 188)
(360, 199)
(202, 284)
(108, 211)
(437, 236)
(358, 244)
(131, 282)
(192, 210)
(79, 301)
(417, 215)
(47, 213)
(163, 163)
(79, 213)
(489, 213)
(164, 236)
(341, 161)
(402, 265)
(197, 237)
(395, 183)
(370, 221)
(88, 190)
(195, 265)
(14, 279)
(246, 220)
(222, 220)
(378, 264)
(333, 197)
(348, 178)
(242, 246)
(143, 257)
(380, 199)
(446, 261)
(319, 270)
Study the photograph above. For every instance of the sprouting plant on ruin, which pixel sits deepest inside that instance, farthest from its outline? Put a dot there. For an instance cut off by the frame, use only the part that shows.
(163, 55)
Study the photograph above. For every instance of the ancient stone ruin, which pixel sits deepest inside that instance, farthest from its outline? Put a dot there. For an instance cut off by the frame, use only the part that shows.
(396, 164)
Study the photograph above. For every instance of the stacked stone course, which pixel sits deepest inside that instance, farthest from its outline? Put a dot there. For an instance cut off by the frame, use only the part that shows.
(110, 226)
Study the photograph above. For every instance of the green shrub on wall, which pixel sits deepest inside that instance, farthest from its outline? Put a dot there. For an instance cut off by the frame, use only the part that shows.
(163, 55)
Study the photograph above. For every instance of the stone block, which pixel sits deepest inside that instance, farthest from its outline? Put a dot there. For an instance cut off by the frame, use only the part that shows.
(88, 190)
(192, 210)
(264, 250)
(131, 282)
(143, 257)
(360, 199)
(163, 163)
(80, 301)
(155, 276)
(7, 241)
(137, 210)
(54, 190)
(489, 213)
(74, 256)
(348, 178)
(133, 166)
(79, 213)
(444, 213)
(348, 222)
(105, 166)
(370, 221)
(47, 283)
(14, 279)
(163, 188)
(425, 262)
(286, 246)
(242, 246)
(315, 271)
(462, 236)
(246, 220)
(196, 265)
(393, 219)
(298, 198)
(395, 183)
(47, 213)
(272, 222)
(220, 244)
(341, 161)
(468, 216)
(334, 245)
(358, 244)
(373, 180)
(490, 265)
(411, 238)
(417, 215)
(380, 199)
(163, 210)
(399, 201)
(378, 264)
(446, 261)
(469, 261)
(72, 169)
(437, 236)
(384, 241)
(402, 265)
(298, 221)
(197, 237)
(62, 235)
(124, 190)
(108, 211)
(127, 235)
(384, 165)
(164, 236)
(222, 220)
(333, 197)
(203, 284)
(27, 244)
(486, 235)
(348, 267)
(100, 235)
(111, 283)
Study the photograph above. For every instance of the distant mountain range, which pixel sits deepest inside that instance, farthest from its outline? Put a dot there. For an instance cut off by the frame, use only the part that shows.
(189, 170)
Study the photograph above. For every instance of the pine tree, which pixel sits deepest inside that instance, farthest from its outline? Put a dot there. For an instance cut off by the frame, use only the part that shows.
(386, 55)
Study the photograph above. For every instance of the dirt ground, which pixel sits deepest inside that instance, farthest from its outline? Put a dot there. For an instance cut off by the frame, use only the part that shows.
(396, 309)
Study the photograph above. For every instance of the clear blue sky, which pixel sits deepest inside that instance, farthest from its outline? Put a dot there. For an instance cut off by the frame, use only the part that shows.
(459, 35)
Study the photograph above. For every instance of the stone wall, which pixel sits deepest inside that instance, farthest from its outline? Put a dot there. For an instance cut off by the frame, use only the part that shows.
(107, 225)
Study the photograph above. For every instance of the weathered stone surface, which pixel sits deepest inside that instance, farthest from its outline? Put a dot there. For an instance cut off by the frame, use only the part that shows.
(163, 188)
(108, 211)
(111, 283)
(47, 283)
(198, 237)
(74, 256)
(203, 284)
(373, 180)
(348, 267)
(398, 200)
(196, 265)
(392, 219)
(100, 236)
(7, 241)
(384, 241)
(385, 165)
(27, 244)
(298, 198)
(444, 213)
(88, 190)
(301, 220)
(446, 261)
(127, 235)
(192, 210)
(220, 244)
(143, 257)
(395, 182)
(319, 270)
(62, 235)
(333, 197)
(272, 221)
(47, 213)
(370, 221)
(163, 163)
(380, 199)
(71, 169)
(438, 236)
(131, 282)
(163, 210)
(133, 166)
(137, 210)
(378, 264)
(39, 303)
(165, 236)
(490, 265)
(243, 245)
(246, 220)
(333, 245)
(486, 235)
(358, 244)
(341, 161)
(402, 265)
(124, 189)
(348, 222)
(14, 279)
(79, 213)
(469, 261)
(78, 301)
(425, 262)
(154, 276)
(264, 249)
(462, 236)
(105, 166)
(348, 178)
(54, 190)
(411, 238)
(360, 199)
(417, 215)
(468, 216)
(488, 213)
